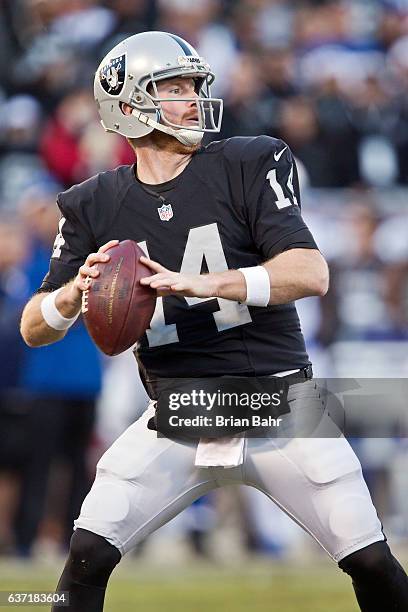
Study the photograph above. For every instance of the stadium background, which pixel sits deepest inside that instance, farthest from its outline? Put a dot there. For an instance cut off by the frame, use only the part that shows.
(331, 79)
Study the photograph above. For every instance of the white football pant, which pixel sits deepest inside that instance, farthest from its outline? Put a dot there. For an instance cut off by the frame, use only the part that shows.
(143, 481)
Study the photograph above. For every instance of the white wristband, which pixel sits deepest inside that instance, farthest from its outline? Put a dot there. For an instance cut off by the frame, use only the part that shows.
(258, 287)
(52, 315)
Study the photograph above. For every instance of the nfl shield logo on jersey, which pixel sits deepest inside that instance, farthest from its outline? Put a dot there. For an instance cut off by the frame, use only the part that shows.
(165, 212)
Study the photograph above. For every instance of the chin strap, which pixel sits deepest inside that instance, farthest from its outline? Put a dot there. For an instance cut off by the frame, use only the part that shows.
(185, 136)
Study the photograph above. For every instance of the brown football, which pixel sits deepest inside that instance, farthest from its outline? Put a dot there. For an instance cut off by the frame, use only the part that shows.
(116, 308)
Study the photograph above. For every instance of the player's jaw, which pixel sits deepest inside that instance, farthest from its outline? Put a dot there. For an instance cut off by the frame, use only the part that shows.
(168, 143)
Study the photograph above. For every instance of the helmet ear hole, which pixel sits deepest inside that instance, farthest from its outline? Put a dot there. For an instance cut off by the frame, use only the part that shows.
(125, 108)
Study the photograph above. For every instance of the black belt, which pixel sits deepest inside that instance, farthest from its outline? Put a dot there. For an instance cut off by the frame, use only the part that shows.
(303, 375)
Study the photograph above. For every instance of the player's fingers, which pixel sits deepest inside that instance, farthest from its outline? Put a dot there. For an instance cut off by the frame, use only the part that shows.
(83, 283)
(154, 278)
(147, 280)
(161, 282)
(94, 258)
(91, 271)
(178, 287)
(108, 245)
(153, 265)
(163, 291)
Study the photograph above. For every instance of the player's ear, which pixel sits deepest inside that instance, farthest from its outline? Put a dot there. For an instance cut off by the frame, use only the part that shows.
(126, 108)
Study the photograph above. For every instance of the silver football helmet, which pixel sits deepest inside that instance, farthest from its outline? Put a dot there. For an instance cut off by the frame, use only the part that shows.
(140, 61)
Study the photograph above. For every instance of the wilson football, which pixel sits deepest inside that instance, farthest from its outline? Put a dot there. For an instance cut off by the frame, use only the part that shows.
(116, 308)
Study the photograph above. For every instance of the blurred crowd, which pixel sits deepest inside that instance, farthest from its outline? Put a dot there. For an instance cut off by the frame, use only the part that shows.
(323, 75)
(328, 77)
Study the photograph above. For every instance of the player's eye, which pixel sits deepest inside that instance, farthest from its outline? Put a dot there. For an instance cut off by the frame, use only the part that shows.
(175, 90)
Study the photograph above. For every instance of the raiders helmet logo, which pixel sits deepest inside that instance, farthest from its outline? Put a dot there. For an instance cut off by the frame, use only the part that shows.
(112, 75)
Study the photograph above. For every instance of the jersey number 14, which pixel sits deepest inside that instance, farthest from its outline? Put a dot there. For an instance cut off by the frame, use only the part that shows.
(281, 201)
(202, 243)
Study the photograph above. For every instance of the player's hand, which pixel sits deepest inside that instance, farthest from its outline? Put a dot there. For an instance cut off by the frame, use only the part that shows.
(90, 270)
(174, 283)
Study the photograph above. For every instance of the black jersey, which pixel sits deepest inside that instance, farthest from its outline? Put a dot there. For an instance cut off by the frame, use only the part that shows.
(236, 204)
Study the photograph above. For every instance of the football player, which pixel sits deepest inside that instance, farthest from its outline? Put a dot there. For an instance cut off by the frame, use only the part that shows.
(223, 234)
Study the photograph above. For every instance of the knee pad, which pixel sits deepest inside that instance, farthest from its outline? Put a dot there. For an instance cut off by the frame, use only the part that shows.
(91, 558)
(374, 562)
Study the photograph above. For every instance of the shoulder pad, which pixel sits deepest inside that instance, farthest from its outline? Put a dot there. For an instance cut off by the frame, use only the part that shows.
(98, 198)
(261, 146)
(101, 187)
(247, 148)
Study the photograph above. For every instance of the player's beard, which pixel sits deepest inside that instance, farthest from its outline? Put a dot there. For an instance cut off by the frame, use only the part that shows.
(166, 142)
(163, 142)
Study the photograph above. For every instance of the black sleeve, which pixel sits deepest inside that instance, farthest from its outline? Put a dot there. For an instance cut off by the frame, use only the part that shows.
(73, 243)
(272, 197)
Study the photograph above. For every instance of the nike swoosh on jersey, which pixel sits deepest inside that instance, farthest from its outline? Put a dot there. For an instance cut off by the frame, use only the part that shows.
(277, 156)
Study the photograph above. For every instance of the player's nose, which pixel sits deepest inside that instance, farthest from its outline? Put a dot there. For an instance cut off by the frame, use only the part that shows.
(192, 105)
(193, 95)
